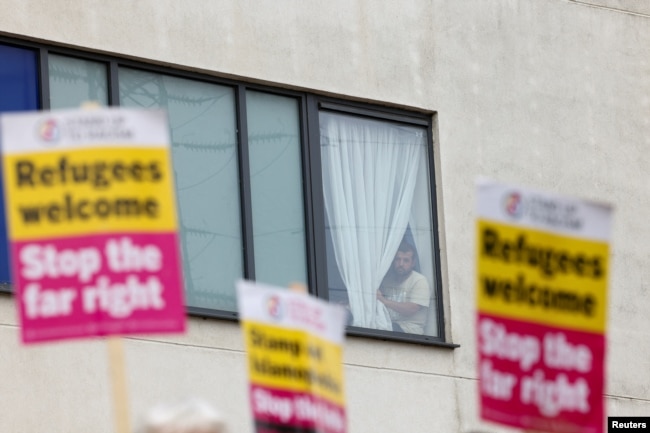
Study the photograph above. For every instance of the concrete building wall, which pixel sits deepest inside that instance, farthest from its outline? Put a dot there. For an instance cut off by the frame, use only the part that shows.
(553, 94)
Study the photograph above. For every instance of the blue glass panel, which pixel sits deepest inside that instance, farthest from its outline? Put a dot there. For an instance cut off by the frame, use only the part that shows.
(18, 79)
(18, 92)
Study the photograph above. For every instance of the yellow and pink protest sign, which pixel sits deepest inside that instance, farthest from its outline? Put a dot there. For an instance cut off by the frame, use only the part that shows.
(541, 287)
(295, 360)
(92, 223)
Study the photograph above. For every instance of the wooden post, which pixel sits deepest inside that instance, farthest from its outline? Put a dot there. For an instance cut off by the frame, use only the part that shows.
(117, 371)
(298, 287)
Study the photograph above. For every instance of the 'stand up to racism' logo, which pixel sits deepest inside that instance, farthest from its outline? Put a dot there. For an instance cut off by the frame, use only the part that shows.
(49, 131)
(274, 307)
(513, 204)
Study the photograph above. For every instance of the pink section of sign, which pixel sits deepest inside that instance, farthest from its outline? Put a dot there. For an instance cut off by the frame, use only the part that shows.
(111, 284)
(275, 410)
(539, 377)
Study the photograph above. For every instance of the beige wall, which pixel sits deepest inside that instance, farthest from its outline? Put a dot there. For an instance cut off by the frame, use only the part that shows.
(553, 94)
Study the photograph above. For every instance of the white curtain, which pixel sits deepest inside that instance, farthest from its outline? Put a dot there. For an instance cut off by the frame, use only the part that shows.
(370, 171)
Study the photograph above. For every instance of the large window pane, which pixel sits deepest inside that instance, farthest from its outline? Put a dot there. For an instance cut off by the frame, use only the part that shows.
(378, 222)
(276, 188)
(18, 92)
(204, 148)
(75, 81)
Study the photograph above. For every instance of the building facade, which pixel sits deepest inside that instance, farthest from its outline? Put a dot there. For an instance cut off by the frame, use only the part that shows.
(310, 140)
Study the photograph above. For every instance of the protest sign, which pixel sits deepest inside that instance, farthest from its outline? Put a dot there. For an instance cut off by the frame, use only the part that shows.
(541, 287)
(92, 223)
(294, 344)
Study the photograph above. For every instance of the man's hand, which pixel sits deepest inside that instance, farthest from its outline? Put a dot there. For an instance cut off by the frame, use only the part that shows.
(404, 308)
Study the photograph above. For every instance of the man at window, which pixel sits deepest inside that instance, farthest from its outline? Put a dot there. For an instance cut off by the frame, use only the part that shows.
(405, 292)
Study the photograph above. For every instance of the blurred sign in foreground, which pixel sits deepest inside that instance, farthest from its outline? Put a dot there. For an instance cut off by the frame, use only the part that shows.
(294, 344)
(92, 223)
(543, 266)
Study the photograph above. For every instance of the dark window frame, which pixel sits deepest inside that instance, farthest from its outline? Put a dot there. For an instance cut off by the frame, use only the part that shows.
(310, 104)
(388, 114)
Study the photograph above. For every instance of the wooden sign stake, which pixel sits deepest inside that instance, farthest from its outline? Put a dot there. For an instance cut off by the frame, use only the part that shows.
(117, 370)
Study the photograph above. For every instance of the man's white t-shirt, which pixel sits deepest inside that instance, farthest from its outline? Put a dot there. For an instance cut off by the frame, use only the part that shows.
(414, 288)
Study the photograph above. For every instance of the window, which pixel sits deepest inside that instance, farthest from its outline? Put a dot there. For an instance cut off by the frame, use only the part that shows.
(19, 91)
(205, 161)
(378, 222)
(277, 185)
(274, 143)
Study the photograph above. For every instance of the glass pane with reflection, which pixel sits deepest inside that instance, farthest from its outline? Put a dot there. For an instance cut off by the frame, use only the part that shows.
(276, 188)
(75, 81)
(205, 160)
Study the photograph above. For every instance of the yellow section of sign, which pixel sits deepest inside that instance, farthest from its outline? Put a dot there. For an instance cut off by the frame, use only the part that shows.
(291, 360)
(541, 277)
(91, 190)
